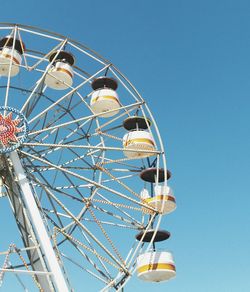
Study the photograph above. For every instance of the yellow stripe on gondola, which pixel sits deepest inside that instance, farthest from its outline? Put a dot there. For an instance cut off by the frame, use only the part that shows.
(104, 96)
(138, 140)
(156, 266)
(9, 57)
(160, 198)
(65, 71)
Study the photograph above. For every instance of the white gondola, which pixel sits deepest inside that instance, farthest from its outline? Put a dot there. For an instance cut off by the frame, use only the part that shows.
(163, 200)
(10, 59)
(60, 75)
(155, 266)
(138, 140)
(103, 101)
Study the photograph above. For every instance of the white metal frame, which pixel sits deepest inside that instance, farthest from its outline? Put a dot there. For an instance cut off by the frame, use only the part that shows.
(37, 161)
(58, 277)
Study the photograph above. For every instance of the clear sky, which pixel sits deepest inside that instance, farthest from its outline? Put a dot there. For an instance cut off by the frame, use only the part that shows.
(190, 60)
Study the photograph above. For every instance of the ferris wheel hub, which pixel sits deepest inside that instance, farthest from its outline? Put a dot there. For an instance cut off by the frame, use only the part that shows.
(13, 129)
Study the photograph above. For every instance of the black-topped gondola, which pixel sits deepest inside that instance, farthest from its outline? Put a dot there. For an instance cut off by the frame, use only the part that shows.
(62, 56)
(8, 42)
(104, 82)
(161, 235)
(136, 122)
(150, 174)
(60, 74)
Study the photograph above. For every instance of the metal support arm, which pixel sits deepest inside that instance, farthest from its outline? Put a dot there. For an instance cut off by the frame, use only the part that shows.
(57, 275)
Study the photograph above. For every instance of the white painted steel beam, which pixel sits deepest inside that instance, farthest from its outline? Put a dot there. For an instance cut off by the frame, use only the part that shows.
(28, 236)
(36, 219)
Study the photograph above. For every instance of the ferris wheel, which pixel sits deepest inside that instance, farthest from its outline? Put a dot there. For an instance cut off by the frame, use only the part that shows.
(82, 167)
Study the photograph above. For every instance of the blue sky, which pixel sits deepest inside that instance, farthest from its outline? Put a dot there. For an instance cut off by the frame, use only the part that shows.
(190, 60)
